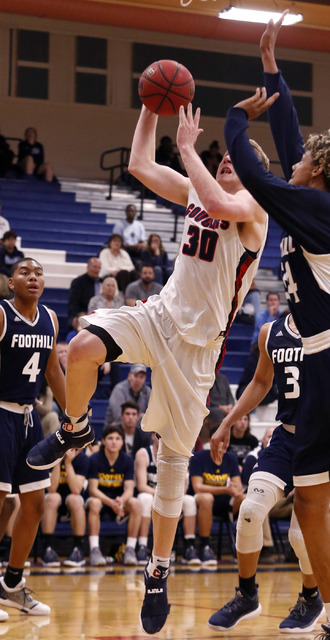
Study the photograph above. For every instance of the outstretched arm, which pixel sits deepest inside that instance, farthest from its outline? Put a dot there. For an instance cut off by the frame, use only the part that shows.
(163, 180)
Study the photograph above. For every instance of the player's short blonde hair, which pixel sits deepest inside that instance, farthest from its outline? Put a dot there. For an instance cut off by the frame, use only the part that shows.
(260, 153)
(319, 146)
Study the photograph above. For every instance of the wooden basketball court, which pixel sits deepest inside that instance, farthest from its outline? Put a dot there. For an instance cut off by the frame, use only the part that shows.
(104, 604)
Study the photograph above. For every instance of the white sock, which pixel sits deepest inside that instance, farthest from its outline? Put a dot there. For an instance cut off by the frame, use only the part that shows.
(143, 541)
(94, 541)
(131, 542)
(74, 426)
(157, 561)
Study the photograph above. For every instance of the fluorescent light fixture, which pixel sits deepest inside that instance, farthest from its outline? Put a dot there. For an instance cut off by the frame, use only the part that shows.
(254, 15)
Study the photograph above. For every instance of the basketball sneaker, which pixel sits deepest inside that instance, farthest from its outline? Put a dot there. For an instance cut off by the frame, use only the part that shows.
(155, 607)
(207, 556)
(48, 452)
(3, 616)
(190, 556)
(326, 634)
(142, 555)
(50, 558)
(96, 559)
(20, 598)
(304, 615)
(240, 607)
(130, 557)
(75, 559)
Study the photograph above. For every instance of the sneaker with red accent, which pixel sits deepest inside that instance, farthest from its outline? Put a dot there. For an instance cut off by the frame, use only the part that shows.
(155, 607)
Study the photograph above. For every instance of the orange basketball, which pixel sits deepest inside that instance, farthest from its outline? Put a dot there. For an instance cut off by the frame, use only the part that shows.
(166, 85)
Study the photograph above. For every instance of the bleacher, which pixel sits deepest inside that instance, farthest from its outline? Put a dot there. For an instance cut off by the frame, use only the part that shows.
(63, 224)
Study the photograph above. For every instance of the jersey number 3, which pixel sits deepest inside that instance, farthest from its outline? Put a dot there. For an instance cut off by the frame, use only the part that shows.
(31, 368)
(203, 242)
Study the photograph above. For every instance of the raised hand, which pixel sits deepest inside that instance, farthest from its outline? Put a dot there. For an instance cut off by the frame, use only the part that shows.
(267, 44)
(188, 129)
(258, 103)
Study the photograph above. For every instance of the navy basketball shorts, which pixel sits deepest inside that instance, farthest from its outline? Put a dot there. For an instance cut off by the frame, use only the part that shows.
(311, 464)
(16, 440)
(277, 457)
(221, 505)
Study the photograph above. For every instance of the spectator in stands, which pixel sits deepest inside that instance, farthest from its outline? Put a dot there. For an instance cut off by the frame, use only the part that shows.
(155, 255)
(135, 438)
(133, 389)
(166, 155)
(132, 232)
(111, 488)
(220, 398)
(76, 327)
(6, 158)
(9, 254)
(272, 312)
(251, 306)
(31, 157)
(109, 296)
(4, 224)
(143, 288)
(146, 479)
(45, 407)
(83, 288)
(115, 261)
(211, 157)
(5, 292)
(66, 496)
(218, 491)
(252, 457)
(241, 439)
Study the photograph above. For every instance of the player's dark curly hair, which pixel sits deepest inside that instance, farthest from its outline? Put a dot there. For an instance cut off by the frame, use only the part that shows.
(319, 146)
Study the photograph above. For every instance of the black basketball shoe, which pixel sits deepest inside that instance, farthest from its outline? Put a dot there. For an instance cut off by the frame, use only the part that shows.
(155, 607)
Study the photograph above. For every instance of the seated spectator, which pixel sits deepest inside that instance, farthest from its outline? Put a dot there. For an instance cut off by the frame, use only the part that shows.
(31, 157)
(6, 159)
(65, 496)
(83, 288)
(9, 254)
(218, 491)
(143, 288)
(76, 326)
(252, 457)
(5, 292)
(111, 488)
(220, 398)
(166, 155)
(251, 305)
(115, 261)
(109, 296)
(135, 438)
(133, 233)
(133, 389)
(272, 312)
(146, 481)
(241, 439)
(44, 405)
(155, 255)
(211, 157)
(4, 224)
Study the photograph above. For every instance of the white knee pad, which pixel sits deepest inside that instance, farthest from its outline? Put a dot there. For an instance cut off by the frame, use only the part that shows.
(260, 499)
(146, 500)
(297, 542)
(189, 507)
(171, 476)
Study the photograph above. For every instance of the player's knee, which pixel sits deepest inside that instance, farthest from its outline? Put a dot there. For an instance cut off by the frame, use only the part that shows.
(205, 500)
(74, 502)
(189, 507)
(251, 517)
(146, 500)
(94, 505)
(134, 506)
(52, 500)
(171, 477)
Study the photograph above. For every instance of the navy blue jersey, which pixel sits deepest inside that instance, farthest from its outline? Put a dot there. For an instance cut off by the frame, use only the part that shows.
(151, 468)
(303, 212)
(111, 478)
(80, 465)
(25, 348)
(285, 350)
(215, 475)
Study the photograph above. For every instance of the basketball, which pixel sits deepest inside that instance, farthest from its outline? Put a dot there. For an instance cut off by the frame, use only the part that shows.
(166, 85)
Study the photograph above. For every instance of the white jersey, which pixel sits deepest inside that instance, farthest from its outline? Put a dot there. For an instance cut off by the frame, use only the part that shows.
(212, 275)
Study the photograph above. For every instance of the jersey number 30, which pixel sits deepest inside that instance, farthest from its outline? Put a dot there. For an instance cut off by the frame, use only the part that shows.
(31, 368)
(205, 241)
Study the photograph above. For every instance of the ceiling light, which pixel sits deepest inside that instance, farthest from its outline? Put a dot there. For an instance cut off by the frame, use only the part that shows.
(253, 15)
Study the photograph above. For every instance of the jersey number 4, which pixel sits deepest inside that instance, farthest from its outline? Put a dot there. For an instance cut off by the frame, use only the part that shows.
(202, 243)
(31, 368)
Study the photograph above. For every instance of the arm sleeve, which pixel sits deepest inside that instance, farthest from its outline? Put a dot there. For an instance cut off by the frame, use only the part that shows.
(284, 123)
(302, 212)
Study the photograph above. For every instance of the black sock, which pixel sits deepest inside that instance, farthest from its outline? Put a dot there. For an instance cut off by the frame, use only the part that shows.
(188, 542)
(13, 576)
(205, 541)
(48, 540)
(78, 541)
(247, 584)
(309, 593)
